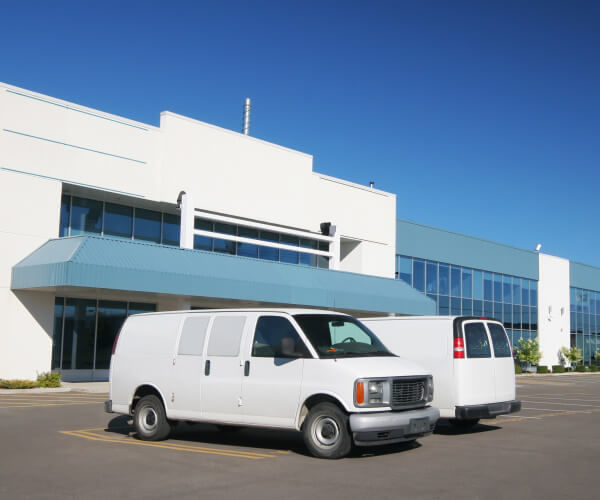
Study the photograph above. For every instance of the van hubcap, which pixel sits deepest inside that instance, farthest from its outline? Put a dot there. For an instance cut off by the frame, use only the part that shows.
(148, 419)
(326, 431)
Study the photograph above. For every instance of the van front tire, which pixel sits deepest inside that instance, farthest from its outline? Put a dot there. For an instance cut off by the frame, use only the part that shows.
(326, 433)
(150, 419)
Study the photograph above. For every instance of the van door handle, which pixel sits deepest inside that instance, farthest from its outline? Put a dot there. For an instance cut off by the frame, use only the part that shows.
(246, 368)
(207, 367)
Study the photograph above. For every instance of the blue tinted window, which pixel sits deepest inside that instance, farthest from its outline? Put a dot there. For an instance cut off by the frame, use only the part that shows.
(268, 253)
(444, 279)
(517, 317)
(497, 314)
(467, 283)
(525, 292)
(118, 220)
(477, 284)
(406, 269)
(455, 281)
(170, 230)
(507, 314)
(431, 269)
(516, 290)
(533, 293)
(224, 246)
(507, 288)
(497, 288)
(477, 308)
(488, 309)
(57, 333)
(573, 293)
(525, 317)
(467, 307)
(444, 305)
(247, 249)
(289, 256)
(147, 225)
(203, 243)
(455, 309)
(65, 215)
(86, 216)
(419, 275)
(487, 287)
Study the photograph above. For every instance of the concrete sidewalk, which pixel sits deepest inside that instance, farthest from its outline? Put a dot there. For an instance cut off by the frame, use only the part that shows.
(91, 387)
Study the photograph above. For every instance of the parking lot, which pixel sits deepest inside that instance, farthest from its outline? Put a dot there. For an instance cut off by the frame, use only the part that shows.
(62, 445)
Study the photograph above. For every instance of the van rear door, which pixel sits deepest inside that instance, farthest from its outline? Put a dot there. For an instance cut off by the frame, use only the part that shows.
(475, 373)
(504, 369)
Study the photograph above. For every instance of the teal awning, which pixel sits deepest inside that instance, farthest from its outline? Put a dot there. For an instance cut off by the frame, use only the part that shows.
(112, 264)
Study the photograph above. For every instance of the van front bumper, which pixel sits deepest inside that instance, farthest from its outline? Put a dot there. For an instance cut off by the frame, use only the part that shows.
(489, 410)
(392, 426)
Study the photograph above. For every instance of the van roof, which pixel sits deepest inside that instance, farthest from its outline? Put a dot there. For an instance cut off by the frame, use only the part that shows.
(283, 310)
(429, 318)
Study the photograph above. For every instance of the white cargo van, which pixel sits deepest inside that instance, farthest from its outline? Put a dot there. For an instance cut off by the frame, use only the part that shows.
(470, 359)
(318, 372)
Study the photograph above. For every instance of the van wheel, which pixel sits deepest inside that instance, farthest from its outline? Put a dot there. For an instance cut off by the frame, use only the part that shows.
(326, 433)
(463, 423)
(150, 420)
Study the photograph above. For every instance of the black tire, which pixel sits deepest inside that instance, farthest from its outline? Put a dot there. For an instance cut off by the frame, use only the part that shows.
(463, 423)
(150, 420)
(326, 433)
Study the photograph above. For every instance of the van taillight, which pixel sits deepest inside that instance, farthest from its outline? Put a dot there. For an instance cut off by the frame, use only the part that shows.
(459, 348)
(115, 344)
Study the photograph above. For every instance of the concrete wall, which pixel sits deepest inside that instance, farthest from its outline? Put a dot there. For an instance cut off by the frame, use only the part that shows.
(553, 307)
(30, 208)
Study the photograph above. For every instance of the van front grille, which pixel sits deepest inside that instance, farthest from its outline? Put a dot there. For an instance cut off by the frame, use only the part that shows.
(408, 392)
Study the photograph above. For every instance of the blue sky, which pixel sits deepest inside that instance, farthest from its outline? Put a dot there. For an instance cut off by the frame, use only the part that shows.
(483, 117)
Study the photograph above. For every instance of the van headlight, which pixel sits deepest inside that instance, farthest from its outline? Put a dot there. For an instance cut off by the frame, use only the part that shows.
(371, 392)
(429, 389)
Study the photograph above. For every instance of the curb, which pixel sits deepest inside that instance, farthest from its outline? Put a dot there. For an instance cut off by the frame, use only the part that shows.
(566, 374)
(37, 390)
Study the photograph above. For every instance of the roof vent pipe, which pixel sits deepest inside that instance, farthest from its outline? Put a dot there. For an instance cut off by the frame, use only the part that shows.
(246, 118)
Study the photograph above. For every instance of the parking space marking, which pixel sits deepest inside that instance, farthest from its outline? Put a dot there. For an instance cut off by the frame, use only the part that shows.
(544, 382)
(37, 400)
(541, 416)
(93, 436)
(561, 404)
(561, 399)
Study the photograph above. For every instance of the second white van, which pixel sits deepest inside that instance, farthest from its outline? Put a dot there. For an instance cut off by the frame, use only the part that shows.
(470, 359)
(319, 372)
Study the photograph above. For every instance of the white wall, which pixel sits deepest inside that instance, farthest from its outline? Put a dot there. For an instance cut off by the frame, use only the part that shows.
(553, 307)
(30, 208)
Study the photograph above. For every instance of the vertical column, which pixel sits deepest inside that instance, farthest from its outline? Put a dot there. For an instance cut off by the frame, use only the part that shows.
(334, 248)
(186, 233)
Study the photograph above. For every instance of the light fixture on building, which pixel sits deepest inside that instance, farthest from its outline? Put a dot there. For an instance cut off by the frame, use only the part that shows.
(538, 247)
(371, 184)
(179, 199)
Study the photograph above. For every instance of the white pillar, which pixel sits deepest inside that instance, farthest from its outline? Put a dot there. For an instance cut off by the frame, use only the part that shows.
(334, 248)
(186, 233)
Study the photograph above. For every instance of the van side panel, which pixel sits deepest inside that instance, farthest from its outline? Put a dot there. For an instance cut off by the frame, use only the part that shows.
(144, 355)
(429, 343)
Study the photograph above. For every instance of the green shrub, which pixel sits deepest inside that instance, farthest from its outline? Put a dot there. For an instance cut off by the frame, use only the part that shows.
(49, 379)
(518, 370)
(580, 368)
(542, 369)
(558, 369)
(528, 351)
(593, 368)
(18, 384)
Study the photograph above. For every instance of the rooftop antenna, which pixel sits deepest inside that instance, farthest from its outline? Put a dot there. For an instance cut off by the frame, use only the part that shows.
(246, 118)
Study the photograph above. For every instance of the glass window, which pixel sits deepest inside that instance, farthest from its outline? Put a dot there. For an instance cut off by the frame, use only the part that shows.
(65, 215)
(269, 253)
(507, 313)
(406, 269)
(533, 293)
(224, 246)
(203, 243)
(477, 284)
(517, 317)
(498, 310)
(86, 216)
(308, 259)
(140, 307)
(444, 305)
(478, 308)
(487, 286)
(270, 333)
(467, 283)
(170, 229)
(467, 307)
(444, 281)
(497, 288)
(573, 294)
(111, 315)
(334, 335)
(419, 275)
(525, 317)
(499, 341)
(431, 277)
(247, 249)
(118, 220)
(455, 306)
(193, 334)
(289, 256)
(225, 336)
(507, 289)
(476, 340)
(147, 225)
(80, 326)
(488, 309)
(533, 318)
(516, 290)
(57, 332)
(525, 292)
(455, 281)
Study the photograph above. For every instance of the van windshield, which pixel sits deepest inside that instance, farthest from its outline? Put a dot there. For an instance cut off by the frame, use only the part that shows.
(334, 336)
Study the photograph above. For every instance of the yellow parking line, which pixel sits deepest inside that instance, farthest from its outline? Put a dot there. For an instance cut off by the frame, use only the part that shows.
(35, 405)
(176, 447)
(55, 400)
(541, 415)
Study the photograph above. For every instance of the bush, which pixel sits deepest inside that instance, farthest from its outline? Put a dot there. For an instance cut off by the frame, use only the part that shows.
(558, 369)
(593, 368)
(542, 369)
(580, 368)
(18, 384)
(49, 379)
(573, 354)
(518, 370)
(528, 351)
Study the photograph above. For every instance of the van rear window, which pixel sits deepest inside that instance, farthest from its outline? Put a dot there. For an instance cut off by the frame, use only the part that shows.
(476, 340)
(500, 341)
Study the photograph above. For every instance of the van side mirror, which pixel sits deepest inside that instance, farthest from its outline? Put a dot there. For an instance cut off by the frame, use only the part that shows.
(287, 348)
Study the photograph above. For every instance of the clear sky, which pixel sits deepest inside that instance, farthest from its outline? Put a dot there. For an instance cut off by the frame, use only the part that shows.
(483, 117)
